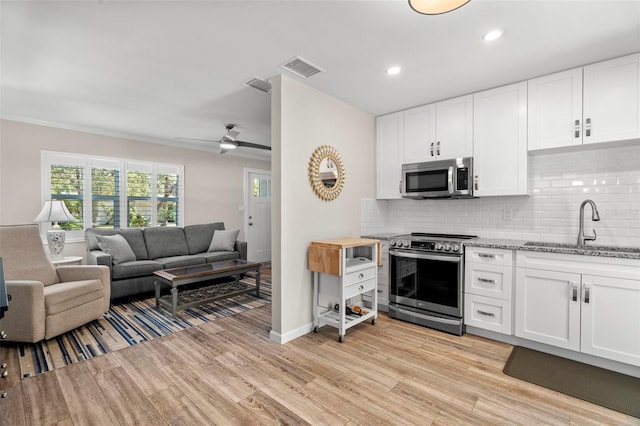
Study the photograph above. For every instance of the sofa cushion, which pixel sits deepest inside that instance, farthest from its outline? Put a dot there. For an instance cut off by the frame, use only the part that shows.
(199, 236)
(224, 240)
(163, 241)
(137, 268)
(117, 247)
(218, 256)
(64, 296)
(133, 236)
(178, 261)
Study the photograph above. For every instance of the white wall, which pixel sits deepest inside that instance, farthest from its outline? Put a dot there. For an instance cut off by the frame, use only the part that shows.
(558, 183)
(303, 119)
(213, 183)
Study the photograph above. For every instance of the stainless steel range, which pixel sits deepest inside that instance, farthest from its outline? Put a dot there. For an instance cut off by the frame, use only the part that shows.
(427, 280)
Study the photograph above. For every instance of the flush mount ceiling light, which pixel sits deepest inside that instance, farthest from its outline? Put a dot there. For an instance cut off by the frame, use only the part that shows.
(436, 7)
(393, 70)
(492, 35)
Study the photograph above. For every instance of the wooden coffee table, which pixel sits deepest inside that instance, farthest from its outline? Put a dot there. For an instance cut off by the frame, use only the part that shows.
(178, 278)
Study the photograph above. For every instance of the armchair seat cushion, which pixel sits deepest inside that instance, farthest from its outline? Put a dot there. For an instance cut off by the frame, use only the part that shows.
(137, 268)
(64, 296)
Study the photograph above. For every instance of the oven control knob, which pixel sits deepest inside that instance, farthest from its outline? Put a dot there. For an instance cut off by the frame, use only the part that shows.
(392, 243)
(405, 244)
(439, 246)
(447, 247)
(455, 248)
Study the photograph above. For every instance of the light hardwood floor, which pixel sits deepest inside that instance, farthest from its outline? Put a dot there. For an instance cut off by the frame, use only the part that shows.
(228, 372)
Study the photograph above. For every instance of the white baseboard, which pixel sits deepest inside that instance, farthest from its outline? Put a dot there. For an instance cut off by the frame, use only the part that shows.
(290, 335)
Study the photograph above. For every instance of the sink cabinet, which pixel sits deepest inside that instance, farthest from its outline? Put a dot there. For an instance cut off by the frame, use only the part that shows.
(582, 303)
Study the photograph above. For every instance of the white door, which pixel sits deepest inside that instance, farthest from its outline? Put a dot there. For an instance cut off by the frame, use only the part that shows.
(420, 134)
(555, 110)
(454, 128)
(389, 143)
(548, 307)
(611, 318)
(612, 100)
(258, 215)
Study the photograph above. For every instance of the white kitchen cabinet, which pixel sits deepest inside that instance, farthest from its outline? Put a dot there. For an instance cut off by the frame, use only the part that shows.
(439, 131)
(500, 141)
(592, 104)
(488, 289)
(582, 303)
(389, 145)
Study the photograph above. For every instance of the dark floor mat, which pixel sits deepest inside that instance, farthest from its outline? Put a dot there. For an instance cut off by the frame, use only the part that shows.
(603, 387)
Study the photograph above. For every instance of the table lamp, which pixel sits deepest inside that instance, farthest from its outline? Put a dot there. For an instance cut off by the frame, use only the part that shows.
(55, 211)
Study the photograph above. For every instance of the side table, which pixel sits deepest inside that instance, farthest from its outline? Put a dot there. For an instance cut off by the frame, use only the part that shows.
(68, 260)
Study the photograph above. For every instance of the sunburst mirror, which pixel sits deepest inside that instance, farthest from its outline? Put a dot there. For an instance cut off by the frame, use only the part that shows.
(326, 172)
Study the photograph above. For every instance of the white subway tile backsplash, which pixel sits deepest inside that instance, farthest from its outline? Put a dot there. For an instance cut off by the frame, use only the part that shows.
(558, 183)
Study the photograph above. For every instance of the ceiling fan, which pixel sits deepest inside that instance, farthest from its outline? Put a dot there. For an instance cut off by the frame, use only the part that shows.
(230, 141)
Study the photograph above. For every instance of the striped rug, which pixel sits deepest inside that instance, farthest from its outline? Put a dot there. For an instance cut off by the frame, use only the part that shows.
(129, 323)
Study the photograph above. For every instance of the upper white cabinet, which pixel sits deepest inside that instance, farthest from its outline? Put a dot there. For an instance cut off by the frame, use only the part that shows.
(439, 131)
(500, 141)
(596, 103)
(389, 142)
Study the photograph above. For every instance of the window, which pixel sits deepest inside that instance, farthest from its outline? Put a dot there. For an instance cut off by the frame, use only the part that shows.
(113, 193)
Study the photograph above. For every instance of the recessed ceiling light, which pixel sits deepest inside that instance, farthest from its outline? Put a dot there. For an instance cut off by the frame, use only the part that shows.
(492, 35)
(393, 70)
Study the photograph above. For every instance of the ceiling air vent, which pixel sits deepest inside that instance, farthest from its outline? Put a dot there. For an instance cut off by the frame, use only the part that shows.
(258, 83)
(301, 67)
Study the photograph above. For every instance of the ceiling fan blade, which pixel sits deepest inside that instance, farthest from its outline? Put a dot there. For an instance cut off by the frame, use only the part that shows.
(194, 139)
(253, 145)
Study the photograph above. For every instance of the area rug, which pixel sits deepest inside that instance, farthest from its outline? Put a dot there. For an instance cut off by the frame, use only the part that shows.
(603, 387)
(131, 322)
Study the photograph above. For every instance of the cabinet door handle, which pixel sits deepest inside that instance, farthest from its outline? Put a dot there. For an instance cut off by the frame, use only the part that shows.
(438, 148)
(574, 292)
(487, 256)
(361, 276)
(432, 149)
(361, 287)
(488, 281)
(587, 129)
(586, 293)
(577, 129)
(475, 182)
(488, 314)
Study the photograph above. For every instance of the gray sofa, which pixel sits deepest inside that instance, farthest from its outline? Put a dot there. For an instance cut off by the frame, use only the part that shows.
(156, 248)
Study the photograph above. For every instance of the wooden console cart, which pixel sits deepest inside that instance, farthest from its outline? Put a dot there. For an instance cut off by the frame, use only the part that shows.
(343, 268)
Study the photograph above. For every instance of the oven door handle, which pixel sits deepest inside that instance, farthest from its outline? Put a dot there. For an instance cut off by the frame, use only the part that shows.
(425, 317)
(452, 259)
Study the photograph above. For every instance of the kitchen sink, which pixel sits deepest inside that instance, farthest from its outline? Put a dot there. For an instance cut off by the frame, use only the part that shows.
(585, 247)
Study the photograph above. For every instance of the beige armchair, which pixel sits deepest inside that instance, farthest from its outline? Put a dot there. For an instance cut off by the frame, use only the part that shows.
(47, 301)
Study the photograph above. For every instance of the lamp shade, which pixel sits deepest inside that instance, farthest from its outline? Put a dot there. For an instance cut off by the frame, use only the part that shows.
(436, 7)
(55, 211)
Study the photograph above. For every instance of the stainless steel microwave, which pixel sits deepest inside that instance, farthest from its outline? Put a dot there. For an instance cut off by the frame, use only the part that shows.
(438, 179)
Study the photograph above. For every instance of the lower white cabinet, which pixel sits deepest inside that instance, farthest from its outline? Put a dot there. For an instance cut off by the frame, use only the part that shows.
(488, 289)
(581, 303)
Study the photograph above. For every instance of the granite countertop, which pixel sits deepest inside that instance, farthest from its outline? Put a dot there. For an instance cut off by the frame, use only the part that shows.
(381, 235)
(587, 250)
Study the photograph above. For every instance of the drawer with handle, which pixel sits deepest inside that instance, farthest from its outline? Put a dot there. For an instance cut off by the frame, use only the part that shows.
(359, 288)
(489, 256)
(488, 313)
(357, 276)
(489, 280)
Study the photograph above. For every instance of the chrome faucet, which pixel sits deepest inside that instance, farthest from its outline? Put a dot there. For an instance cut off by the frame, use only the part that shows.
(595, 216)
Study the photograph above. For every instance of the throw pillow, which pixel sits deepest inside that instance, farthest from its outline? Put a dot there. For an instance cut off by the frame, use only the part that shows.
(117, 247)
(224, 240)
